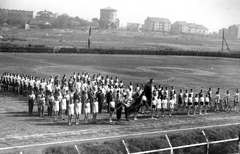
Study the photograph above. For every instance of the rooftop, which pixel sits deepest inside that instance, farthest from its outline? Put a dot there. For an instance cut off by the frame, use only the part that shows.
(157, 19)
(192, 25)
(108, 8)
(15, 10)
(44, 12)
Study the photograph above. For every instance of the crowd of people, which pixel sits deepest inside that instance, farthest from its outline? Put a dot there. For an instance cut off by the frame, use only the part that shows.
(84, 94)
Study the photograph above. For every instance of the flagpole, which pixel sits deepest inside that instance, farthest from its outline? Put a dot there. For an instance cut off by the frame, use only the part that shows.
(89, 37)
(222, 40)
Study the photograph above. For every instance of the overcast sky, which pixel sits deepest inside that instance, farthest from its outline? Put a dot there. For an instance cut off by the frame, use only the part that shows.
(213, 14)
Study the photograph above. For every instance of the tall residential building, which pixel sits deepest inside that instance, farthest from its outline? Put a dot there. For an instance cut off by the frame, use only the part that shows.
(108, 18)
(188, 28)
(234, 31)
(157, 24)
(14, 15)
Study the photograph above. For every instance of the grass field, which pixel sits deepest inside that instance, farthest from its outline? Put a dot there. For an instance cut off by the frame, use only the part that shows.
(19, 129)
(119, 39)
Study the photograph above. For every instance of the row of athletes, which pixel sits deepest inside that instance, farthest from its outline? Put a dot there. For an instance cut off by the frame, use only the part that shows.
(23, 83)
(160, 96)
(188, 100)
(76, 104)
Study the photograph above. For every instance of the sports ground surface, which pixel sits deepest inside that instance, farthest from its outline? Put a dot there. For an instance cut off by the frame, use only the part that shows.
(32, 134)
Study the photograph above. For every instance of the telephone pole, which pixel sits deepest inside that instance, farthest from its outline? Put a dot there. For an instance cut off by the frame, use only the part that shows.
(224, 40)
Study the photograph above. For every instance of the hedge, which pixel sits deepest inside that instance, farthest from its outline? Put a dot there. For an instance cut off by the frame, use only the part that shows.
(120, 51)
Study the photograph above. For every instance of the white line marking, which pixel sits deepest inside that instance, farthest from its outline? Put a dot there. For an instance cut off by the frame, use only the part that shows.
(113, 137)
(18, 101)
(77, 149)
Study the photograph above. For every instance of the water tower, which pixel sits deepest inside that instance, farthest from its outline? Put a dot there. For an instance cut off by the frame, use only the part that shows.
(108, 18)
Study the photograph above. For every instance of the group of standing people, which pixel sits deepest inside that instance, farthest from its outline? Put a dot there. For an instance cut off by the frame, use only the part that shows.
(84, 94)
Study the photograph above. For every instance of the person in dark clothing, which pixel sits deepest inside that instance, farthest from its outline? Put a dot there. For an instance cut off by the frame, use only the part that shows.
(108, 98)
(31, 100)
(91, 99)
(76, 96)
(126, 113)
(119, 106)
(50, 104)
(100, 97)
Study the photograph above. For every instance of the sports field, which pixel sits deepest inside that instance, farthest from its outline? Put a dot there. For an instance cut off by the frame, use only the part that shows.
(114, 39)
(19, 129)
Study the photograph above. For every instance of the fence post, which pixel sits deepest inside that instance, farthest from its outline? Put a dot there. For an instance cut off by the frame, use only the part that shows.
(239, 142)
(207, 142)
(77, 149)
(169, 144)
(125, 146)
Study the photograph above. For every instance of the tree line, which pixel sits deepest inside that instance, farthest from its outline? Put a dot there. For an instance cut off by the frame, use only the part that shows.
(62, 21)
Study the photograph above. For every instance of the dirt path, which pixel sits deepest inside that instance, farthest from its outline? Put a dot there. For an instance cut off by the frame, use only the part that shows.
(18, 130)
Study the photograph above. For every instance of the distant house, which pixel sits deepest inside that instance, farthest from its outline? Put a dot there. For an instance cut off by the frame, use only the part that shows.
(38, 24)
(182, 27)
(220, 32)
(45, 16)
(157, 24)
(134, 26)
(234, 31)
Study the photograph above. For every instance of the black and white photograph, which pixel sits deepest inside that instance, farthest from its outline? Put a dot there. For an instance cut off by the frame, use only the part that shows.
(119, 77)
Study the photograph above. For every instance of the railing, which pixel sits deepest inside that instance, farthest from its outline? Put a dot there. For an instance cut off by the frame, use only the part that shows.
(171, 148)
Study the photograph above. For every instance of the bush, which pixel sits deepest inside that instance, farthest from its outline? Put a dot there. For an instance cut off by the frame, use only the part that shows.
(123, 51)
(61, 150)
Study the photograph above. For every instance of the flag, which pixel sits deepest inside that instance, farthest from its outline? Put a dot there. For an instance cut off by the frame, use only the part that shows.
(135, 106)
(148, 94)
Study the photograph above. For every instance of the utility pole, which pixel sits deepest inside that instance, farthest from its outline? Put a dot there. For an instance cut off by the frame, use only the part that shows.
(89, 37)
(224, 40)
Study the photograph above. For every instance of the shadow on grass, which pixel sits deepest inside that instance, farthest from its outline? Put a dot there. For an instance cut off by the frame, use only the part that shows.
(20, 114)
(81, 123)
(38, 119)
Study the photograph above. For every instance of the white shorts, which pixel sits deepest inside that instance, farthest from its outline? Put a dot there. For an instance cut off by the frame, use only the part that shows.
(159, 105)
(71, 109)
(87, 108)
(171, 105)
(95, 107)
(63, 105)
(164, 105)
(56, 106)
(78, 108)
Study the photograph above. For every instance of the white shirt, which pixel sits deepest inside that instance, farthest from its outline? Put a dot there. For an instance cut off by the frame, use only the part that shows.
(206, 99)
(49, 87)
(196, 99)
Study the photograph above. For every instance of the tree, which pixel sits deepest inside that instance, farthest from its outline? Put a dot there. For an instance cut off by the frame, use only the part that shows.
(61, 21)
(2, 21)
(94, 23)
(95, 20)
(83, 22)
